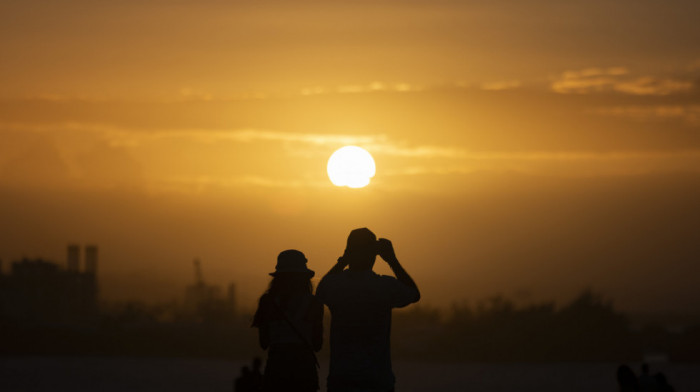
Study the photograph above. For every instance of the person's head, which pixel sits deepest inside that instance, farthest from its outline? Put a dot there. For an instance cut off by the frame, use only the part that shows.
(361, 249)
(645, 368)
(291, 274)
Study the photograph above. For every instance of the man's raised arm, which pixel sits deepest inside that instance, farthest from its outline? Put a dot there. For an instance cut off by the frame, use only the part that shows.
(386, 252)
(338, 267)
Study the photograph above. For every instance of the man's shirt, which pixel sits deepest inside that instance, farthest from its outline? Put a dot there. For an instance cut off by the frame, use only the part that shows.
(360, 303)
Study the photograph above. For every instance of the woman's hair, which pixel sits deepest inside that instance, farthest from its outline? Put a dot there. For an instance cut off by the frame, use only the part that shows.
(285, 285)
(282, 288)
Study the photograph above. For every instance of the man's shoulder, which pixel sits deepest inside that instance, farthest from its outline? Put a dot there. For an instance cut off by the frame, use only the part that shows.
(330, 279)
(359, 277)
(346, 280)
(327, 286)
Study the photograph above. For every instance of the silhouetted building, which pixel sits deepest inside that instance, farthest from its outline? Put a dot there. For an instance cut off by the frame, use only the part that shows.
(91, 259)
(39, 291)
(73, 257)
(207, 302)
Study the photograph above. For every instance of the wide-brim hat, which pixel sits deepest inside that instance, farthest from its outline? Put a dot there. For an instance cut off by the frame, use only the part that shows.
(292, 261)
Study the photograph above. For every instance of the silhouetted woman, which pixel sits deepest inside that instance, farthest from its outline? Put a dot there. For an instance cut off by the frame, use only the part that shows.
(290, 322)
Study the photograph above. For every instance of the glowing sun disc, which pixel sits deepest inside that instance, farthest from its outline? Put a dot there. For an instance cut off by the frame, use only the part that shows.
(351, 166)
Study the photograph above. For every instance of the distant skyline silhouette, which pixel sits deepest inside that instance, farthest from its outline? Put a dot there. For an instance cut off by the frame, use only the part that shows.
(538, 239)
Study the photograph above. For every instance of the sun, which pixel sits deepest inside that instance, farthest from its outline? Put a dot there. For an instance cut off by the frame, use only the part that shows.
(351, 166)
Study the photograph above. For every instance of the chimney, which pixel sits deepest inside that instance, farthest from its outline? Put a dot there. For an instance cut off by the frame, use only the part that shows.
(73, 257)
(91, 259)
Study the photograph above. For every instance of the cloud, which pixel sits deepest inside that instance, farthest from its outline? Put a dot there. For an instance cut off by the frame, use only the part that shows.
(189, 94)
(403, 150)
(652, 86)
(198, 184)
(559, 164)
(124, 137)
(133, 149)
(688, 113)
(311, 138)
(594, 72)
(554, 164)
(616, 79)
(118, 136)
(375, 143)
(361, 88)
(587, 80)
(501, 85)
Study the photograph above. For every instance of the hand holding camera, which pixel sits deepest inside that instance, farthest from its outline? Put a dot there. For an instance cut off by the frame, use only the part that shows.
(386, 250)
(344, 260)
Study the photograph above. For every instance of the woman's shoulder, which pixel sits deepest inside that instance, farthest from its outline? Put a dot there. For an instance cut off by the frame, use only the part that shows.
(266, 300)
(267, 303)
(262, 314)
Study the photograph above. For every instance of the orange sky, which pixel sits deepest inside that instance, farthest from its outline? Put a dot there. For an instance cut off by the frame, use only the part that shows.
(530, 148)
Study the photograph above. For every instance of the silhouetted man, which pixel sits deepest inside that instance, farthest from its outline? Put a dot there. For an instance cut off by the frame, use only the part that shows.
(360, 302)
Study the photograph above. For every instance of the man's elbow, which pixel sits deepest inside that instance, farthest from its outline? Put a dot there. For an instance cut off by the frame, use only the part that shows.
(416, 296)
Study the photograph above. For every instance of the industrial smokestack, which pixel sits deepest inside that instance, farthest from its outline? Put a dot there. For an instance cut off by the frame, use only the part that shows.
(91, 259)
(73, 257)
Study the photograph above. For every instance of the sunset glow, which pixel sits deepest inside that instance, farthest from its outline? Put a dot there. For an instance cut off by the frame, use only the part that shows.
(351, 166)
(532, 146)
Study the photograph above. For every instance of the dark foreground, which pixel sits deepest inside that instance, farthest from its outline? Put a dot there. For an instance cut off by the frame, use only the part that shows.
(180, 375)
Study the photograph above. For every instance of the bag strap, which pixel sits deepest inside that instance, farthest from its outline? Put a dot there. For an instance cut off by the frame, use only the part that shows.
(294, 328)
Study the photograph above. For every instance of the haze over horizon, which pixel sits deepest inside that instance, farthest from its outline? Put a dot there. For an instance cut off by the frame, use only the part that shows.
(532, 149)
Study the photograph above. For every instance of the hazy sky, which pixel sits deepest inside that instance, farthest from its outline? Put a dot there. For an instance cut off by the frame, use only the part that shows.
(530, 148)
